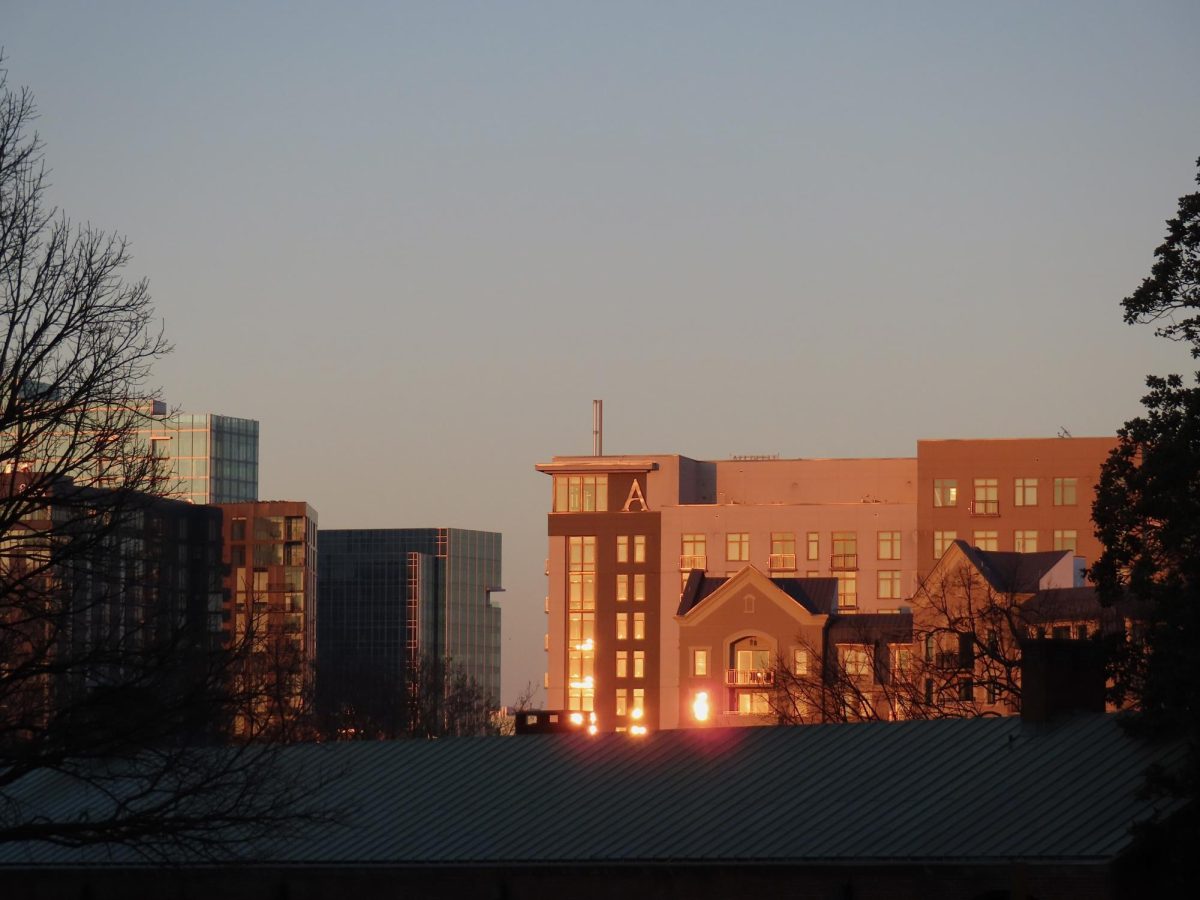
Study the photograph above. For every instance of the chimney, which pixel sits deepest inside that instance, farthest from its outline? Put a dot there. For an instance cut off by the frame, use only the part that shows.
(1060, 677)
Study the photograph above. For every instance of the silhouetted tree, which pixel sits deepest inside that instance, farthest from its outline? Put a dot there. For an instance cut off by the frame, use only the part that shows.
(114, 679)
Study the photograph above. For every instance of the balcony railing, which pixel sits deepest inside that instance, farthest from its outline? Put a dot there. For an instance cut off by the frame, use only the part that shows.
(984, 508)
(782, 562)
(687, 563)
(843, 562)
(749, 677)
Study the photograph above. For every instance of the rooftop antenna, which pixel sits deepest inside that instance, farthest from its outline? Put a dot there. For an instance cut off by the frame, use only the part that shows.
(597, 428)
(1063, 433)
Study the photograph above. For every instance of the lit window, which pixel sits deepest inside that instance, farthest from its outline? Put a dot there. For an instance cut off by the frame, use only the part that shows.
(942, 541)
(639, 626)
(700, 662)
(581, 621)
(622, 548)
(622, 588)
(987, 497)
(639, 663)
(800, 661)
(945, 492)
(845, 550)
(622, 664)
(639, 548)
(1025, 493)
(692, 553)
(639, 588)
(783, 551)
(814, 545)
(580, 493)
(737, 547)
(622, 701)
(1065, 540)
(639, 701)
(581, 568)
(753, 703)
(901, 662)
(855, 661)
(812, 573)
(1064, 491)
(987, 540)
(622, 626)
(847, 587)
(1025, 541)
(889, 545)
(889, 585)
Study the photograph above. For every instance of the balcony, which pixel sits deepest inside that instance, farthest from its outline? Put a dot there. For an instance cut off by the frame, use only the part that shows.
(782, 562)
(687, 563)
(749, 677)
(984, 508)
(843, 562)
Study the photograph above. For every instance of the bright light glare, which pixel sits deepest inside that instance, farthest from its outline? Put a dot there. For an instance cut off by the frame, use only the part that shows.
(635, 713)
(576, 718)
(638, 730)
(700, 707)
(592, 729)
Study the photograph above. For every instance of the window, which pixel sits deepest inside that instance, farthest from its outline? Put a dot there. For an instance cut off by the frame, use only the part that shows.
(737, 546)
(622, 663)
(901, 662)
(622, 702)
(1064, 491)
(889, 585)
(639, 548)
(929, 647)
(1025, 541)
(800, 661)
(753, 703)
(783, 551)
(692, 553)
(1081, 632)
(639, 626)
(889, 545)
(814, 545)
(845, 550)
(700, 662)
(622, 626)
(639, 588)
(945, 492)
(987, 540)
(1025, 493)
(622, 588)
(639, 663)
(639, 699)
(622, 548)
(966, 690)
(237, 529)
(987, 497)
(581, 569)
(855, 661)
(1065, 540)
(581, 621)
(847, 583)
(580, 493)
(942, 541)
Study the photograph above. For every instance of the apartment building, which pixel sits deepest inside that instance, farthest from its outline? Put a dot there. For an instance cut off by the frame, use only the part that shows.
(626, 533)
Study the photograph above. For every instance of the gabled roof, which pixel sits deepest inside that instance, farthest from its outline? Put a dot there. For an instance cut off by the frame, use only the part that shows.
(817, 595)
(1015, 573)
(871, 628)
(946, 791)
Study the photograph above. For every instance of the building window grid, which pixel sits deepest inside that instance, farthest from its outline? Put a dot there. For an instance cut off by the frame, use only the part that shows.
(845, 551)
(580, 493)
(889, 545)
(889, 585)
(1025, 492)
(987, 497)
(847, 590)
(1025, 541)
(945, 492)
(942, 541)
(1066, 491)
(737, 546)
(1066, 539)
(700, 661)
(987, 540)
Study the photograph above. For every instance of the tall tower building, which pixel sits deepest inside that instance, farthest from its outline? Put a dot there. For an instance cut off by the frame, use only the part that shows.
(391, 598)
(208, 458)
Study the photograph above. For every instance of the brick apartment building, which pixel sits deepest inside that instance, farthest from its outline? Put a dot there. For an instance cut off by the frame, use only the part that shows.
(626, 533)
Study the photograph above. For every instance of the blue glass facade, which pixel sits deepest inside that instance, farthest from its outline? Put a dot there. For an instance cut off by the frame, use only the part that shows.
(387, 596)
(207, 458)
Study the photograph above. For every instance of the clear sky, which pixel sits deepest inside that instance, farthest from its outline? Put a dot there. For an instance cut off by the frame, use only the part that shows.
(416, 240)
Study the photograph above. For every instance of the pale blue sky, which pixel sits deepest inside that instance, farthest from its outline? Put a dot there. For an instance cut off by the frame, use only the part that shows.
(415, 241)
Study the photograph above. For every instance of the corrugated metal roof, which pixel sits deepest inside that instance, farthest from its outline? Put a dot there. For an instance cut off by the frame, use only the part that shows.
(939, 791)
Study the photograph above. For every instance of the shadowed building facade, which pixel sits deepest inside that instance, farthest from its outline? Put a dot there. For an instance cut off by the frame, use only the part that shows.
(392, 598)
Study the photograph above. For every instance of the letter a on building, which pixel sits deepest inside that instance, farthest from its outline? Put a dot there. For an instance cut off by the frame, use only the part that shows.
(635, 496)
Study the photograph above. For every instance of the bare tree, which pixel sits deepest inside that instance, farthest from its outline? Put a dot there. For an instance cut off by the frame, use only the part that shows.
(115, 673)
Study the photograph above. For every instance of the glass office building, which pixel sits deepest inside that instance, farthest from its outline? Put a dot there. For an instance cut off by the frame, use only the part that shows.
(207, 458)
(390, 596)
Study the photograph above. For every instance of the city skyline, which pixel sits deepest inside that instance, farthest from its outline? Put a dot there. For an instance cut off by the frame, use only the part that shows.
(811, 232)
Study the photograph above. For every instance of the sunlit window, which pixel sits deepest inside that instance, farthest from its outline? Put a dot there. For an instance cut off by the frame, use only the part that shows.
(987, 540)
(1064, 491)
(1025, 492)
(942, 541)
(945, 492)
(889, 545)
(889, 585)
(1066, 539)
(1025, 541)
(700, 662)
(737, 546)
(987, 497)
(580, 493)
